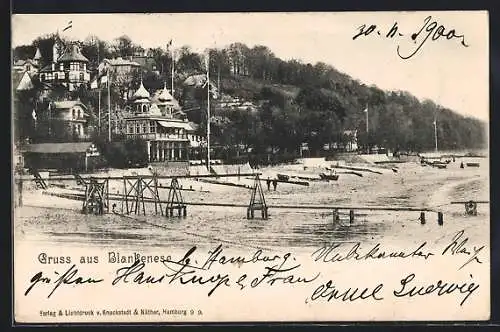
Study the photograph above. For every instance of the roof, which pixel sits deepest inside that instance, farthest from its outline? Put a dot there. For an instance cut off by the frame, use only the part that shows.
(193, 126)
(141, 93)
(16, 78)
(79, 147)
(165, 95)
(72, 54)
(19, 63)
(38, 55)
(68, 104)
(143, 60)
(175, 124)
(121, 62)
(154, 110)
(25, 83)
(198, 81)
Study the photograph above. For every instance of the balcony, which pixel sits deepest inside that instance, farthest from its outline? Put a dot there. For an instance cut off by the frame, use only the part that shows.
(159, 137)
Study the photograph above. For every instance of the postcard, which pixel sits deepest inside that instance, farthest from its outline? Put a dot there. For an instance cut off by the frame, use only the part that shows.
(250, 167)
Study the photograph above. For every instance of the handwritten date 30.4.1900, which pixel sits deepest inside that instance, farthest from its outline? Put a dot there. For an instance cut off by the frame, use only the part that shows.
(430, 28)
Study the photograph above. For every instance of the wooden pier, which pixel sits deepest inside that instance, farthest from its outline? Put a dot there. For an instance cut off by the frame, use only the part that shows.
(97, 197)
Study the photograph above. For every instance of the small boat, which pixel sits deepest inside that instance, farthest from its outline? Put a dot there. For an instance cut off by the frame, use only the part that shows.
(283, 177)
(440, 166)
(472, 164)
(328, 177)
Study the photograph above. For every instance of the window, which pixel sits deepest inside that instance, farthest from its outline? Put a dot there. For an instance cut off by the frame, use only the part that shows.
(81, 66)
(73, 111)
(144, 128)
(82, 77)
(152, 127)
(28, 68)
(42, 77)
(130, 128)
(79, 113)
(137, 128)
(61, 66)
(56, 76)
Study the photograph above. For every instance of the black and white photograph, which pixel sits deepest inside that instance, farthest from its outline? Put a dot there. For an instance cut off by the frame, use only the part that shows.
(250, 167)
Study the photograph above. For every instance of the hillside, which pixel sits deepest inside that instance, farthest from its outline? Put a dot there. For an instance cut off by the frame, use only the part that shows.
(263, 103)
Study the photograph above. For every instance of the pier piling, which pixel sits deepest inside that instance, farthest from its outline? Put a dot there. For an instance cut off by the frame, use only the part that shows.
(440, 218)
(422, 218)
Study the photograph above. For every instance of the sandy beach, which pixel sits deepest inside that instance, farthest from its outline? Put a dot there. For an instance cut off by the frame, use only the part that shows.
(52, 219)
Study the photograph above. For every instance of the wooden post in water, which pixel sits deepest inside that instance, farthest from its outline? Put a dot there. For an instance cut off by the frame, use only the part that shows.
(175, 201)
(422, 218)
(351, 216)
(257, 201)
(440, 218)
(95, 197)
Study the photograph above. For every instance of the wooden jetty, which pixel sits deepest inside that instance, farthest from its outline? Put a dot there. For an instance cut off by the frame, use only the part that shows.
(134, 199)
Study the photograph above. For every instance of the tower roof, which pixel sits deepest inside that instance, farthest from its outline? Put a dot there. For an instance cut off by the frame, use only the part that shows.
(141, 93)
(165, 95)
(38, 55)
(73, 54)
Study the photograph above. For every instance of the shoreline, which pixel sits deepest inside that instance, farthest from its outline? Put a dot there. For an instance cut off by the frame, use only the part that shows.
(412, 185)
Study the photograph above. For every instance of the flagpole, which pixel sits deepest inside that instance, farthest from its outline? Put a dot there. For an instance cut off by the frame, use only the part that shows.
(99, 92)
(435, 134)
(109, 105)
(367, 123)
(208, 111)
(173, 70)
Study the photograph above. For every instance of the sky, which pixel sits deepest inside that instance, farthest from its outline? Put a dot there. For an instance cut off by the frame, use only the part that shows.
(443, 70)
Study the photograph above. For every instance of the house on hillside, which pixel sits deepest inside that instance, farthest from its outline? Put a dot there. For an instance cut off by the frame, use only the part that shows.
(348, 142)
(350, 138)
(146, 61)
(64, 121)
(69, 68)
(118, 66)
(30, 65)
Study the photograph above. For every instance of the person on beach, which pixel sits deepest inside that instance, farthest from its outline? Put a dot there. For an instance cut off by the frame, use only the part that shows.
(268, 182)
(275, 184)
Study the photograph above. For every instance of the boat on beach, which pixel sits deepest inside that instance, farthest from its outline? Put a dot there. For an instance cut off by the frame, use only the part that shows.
(329, 177)
(283, 177)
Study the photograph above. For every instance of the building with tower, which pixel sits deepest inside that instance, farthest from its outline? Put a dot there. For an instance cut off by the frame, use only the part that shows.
(153, 120)
(68, 67)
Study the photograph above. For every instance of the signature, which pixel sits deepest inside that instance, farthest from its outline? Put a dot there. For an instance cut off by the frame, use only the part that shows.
(458, 247)
(430, 29)
(329, 254)
(439, 288)
(69, 277)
